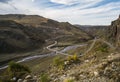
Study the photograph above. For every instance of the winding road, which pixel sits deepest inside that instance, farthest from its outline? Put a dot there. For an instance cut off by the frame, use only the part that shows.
(54, 52)
(64, 50)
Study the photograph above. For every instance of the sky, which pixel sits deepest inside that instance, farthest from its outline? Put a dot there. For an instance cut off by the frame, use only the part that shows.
(83, 12)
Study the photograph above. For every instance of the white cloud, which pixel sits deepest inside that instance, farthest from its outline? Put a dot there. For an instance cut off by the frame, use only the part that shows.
(70, 2)
(98, 15)
(80, 14)
(33, 0)
(65, 2)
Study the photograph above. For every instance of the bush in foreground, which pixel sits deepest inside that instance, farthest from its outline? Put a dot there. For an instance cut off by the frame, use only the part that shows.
(44, 78)
(73, 58)
(58, 62)
(68, 80)
(16, 71)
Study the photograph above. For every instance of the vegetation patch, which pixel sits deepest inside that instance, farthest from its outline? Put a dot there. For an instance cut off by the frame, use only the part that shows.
(102, 48)
(68, 80)
(58, 62)
(14, 72)
(73, 58)
(44, 78)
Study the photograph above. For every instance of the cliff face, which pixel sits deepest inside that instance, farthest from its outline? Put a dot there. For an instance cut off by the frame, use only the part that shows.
(114, 32)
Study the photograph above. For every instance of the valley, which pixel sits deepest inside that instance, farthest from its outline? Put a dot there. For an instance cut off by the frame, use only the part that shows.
(59, 49)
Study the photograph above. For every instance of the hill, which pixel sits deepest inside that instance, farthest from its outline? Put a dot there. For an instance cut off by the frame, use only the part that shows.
(26, 32)
(95, 31)
(16, 37)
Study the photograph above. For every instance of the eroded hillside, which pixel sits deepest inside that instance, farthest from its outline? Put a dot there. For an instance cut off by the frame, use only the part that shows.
(24, 32)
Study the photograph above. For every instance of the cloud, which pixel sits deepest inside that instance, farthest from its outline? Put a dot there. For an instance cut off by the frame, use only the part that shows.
(70, 2)
(65, 2)
(7, 2)
(4, 1)
(74, 11)
(103, 14)
(33, 0)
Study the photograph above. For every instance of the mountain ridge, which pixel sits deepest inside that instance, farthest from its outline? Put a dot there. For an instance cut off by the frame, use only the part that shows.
(38, 29)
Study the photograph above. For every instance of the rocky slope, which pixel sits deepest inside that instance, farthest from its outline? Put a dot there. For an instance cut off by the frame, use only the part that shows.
(94, 70)
(97, 66)
(114, 32)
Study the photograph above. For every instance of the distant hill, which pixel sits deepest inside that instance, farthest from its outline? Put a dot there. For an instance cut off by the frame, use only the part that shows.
(95, 31)
(27, 32)
(111, 32)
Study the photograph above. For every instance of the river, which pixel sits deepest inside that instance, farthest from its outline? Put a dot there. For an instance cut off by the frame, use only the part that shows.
(45, 55)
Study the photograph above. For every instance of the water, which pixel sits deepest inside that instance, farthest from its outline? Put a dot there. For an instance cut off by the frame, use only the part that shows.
(31, 58)
(45, 55)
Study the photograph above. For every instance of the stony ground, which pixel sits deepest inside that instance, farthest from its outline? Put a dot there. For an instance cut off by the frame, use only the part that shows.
(105, 70)
(100, 64)
(91, 70)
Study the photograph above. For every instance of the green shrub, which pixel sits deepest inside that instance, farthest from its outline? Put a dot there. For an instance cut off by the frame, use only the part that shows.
(44, 78)
(69, 58)
(103, 48)
(0, 80)
(17, 70)
(58, 62)
(75, 57)
(72, 58)
(68, 80)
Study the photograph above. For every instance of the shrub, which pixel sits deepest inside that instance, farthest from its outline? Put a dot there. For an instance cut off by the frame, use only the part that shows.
(68, 80)
(17, 70)
(103, 48)
(72, 58)
(58, 62)
(75, 58)
(44, 78)
(0, 80)
(69, 58)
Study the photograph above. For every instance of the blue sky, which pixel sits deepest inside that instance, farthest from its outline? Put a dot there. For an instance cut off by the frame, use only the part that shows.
(84, 12)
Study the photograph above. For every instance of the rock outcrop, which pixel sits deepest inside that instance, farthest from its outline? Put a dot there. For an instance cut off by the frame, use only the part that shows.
(114, 32)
